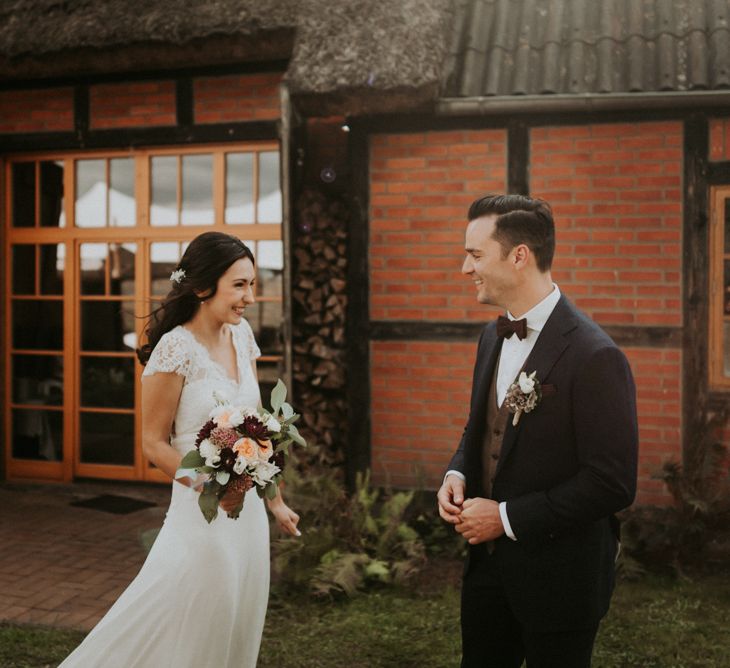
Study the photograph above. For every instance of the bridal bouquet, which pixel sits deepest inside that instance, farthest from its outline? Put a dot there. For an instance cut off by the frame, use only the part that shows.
(240, 448)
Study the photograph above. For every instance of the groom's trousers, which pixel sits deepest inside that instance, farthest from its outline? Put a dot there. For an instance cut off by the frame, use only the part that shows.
(493, 638)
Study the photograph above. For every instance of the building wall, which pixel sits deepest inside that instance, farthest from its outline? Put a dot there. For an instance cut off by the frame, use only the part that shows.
(617, 199)
(719, 139)
(421, 185)
(54, 119)
(616, 194)
(46, 110)
(137, 104)
(140, 104)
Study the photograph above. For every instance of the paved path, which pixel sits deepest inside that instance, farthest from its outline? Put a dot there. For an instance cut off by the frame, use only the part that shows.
(64, 566)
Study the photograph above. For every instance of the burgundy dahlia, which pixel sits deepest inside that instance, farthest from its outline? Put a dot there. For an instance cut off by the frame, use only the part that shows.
(204, 432)
(228, 459)
(254, 428)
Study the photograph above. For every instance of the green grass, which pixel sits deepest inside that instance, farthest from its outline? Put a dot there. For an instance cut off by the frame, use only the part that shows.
(655, 622)
(34, 647)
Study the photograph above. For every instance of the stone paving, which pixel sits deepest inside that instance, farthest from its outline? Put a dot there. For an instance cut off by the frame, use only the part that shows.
(62, 565)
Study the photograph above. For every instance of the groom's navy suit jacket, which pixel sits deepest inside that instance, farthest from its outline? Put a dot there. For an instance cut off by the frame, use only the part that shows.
(564, 470)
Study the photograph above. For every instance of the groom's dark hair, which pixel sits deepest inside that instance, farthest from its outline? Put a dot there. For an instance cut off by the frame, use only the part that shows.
(520, 220)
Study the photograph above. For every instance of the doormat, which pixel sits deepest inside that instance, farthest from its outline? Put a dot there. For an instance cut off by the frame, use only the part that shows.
(110, 503)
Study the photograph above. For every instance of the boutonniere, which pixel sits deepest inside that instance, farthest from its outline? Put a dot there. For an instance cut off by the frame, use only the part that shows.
(523, 395)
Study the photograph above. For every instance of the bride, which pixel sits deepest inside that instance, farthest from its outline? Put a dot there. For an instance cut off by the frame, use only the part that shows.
(200, 598)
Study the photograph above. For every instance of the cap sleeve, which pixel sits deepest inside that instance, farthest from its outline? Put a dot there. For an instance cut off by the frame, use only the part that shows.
(246, 340)
(170, 355)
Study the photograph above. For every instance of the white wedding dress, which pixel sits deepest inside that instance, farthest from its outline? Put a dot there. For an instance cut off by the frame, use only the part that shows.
(200, 598)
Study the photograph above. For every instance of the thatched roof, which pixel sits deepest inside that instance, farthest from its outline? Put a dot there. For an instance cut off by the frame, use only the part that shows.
(361, 53)
(39, 27)
(338, 48)
(362, 56)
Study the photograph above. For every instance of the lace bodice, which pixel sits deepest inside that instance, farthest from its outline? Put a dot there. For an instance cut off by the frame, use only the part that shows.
(178, 351)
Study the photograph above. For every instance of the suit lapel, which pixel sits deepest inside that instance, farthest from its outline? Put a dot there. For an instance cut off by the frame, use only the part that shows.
(487, 360)
(549, 347)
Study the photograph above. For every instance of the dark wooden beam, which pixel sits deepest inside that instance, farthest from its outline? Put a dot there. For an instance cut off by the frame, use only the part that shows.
(82, 111)
(357, 457)
(184, 101)
(131, 137)
(695, 273)
(718, 173)
(417, 330)
(518, 158)
(425, 121)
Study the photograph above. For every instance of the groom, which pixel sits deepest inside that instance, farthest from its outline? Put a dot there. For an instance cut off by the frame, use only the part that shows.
(534, 492)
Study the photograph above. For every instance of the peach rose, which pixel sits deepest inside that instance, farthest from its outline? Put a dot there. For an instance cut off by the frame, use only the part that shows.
(265, 450)
(222, 417)
(246, 448)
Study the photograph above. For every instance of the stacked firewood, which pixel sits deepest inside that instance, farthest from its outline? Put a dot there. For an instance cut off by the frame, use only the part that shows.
(319, 308)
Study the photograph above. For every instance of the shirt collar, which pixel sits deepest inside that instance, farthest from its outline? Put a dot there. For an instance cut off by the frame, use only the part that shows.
(538, 315)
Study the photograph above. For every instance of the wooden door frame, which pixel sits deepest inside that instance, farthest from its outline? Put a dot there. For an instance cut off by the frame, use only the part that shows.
(143, 235)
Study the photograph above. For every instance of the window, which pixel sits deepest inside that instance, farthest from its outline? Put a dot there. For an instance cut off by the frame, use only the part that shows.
(91, 241)
(720, 289)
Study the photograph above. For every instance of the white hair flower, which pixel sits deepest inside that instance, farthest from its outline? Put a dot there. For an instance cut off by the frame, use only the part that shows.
(177, 275)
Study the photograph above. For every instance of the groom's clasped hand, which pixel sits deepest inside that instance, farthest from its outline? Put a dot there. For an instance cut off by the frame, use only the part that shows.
(477, 520)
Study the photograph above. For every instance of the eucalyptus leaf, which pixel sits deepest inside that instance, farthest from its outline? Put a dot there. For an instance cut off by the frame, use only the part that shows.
(286, 410)
(278, 396)
(295, 436)
(222, 477)
(271, 490)
(208, 502)
(192, 460)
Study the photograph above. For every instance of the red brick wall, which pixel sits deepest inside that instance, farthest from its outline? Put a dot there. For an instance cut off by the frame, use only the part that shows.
(420, 402)
(720, 139)
(127, 105)
(246, 97)
(421, 185)
(46, 110)
(420, 399)
(658, 377)
(616, 195)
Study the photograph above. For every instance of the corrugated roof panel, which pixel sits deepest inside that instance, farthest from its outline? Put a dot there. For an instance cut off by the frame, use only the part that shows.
(530, 47)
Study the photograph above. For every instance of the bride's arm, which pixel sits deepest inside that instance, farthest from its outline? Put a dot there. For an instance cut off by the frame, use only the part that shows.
(160, 396)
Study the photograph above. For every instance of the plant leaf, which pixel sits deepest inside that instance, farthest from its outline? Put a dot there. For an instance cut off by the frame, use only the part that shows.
(295, 436)
(278, 396)
(222, 477)
(192, 460)
(286, 410)
(208, 502)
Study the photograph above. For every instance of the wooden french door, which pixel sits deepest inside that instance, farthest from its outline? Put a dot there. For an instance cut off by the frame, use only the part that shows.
(91, 240)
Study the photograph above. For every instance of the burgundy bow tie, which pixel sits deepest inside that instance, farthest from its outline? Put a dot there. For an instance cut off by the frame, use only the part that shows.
(506, 327)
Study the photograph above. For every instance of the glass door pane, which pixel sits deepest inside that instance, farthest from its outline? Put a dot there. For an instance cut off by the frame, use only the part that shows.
(36, 352)
(106, 357)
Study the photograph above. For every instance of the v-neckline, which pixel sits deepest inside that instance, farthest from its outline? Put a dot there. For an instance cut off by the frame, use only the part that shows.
(227, 376)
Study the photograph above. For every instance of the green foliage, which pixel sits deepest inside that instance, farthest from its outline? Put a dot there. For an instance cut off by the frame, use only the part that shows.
(655, 622)
(348, 543)
(693, 533)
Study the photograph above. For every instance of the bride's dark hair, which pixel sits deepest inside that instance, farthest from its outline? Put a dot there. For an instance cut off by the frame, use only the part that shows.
(206, 259)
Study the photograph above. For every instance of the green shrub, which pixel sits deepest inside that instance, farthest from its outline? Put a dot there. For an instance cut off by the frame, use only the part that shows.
(348, 542)
(694, 532)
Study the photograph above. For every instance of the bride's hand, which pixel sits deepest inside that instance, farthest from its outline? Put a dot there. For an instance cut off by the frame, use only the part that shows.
(285, 517)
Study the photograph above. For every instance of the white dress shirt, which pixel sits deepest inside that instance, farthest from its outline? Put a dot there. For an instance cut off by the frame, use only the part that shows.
(514, 354)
